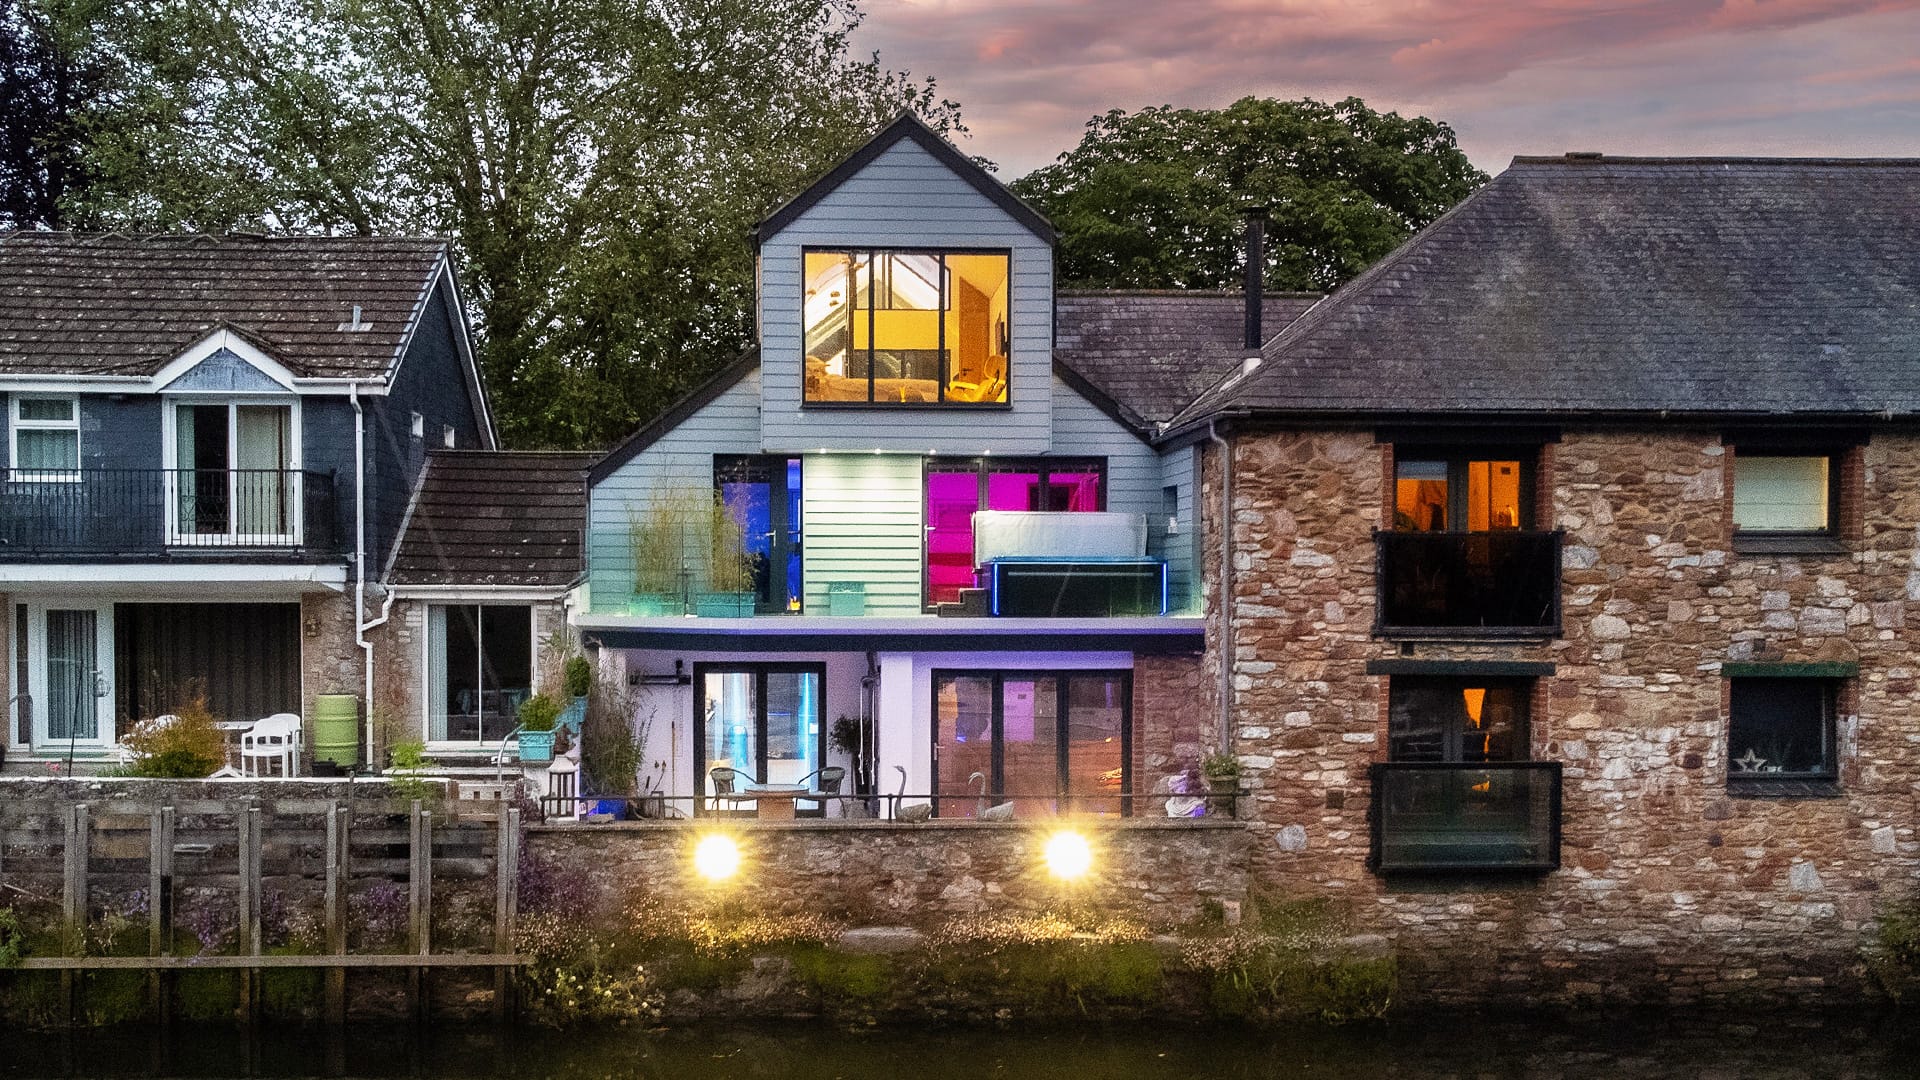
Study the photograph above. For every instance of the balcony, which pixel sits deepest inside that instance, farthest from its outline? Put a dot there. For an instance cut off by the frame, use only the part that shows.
(1445, 817)
(1498, 584)
(146, 513)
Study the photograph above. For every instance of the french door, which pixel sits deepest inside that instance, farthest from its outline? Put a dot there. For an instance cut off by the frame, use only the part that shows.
(761, 720)
(70, 673)
(1053, 741)
(236, 475)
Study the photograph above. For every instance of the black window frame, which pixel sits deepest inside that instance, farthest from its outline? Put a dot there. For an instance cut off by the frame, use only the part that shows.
(1522, 685)
(1457, 459)
(984, 467)
(759, 670)
(789, 537)
(940, 401)
(997, 778)
(1830, 689)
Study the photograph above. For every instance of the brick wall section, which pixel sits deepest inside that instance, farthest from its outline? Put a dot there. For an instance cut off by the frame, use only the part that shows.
(1669, 889)
(886, 874)
(1171, 723)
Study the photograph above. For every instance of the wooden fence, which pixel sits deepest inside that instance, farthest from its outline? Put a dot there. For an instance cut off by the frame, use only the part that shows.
(88, 850)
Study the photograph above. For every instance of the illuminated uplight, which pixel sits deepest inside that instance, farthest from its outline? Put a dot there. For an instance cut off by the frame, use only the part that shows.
(1069, 856)
(716, 857)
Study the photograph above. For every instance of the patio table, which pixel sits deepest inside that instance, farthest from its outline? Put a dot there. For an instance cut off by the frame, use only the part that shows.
(230, 732)
(774, 802)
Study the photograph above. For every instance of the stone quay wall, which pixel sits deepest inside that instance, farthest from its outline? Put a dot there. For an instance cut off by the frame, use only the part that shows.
(1670, 890)
(883, 873)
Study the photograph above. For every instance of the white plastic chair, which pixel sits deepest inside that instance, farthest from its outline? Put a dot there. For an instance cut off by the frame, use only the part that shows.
(278, 736)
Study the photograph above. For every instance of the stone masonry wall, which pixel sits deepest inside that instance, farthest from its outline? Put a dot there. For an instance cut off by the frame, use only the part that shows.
(1171, 723)
(1669, 889)
(400, 658)
(887, 874)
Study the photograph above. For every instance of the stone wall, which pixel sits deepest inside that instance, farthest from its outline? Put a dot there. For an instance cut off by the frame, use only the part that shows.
(1171, 723)
(1670, 889)
(400, 658)
(884, 874)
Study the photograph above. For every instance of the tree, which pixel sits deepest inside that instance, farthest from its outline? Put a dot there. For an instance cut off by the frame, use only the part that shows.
(598, 163)
(49, 93)
(1157, 198)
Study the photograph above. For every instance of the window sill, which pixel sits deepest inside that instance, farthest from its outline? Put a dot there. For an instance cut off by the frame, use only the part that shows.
(1467, 633)
(1742, 788)
(1788, 545)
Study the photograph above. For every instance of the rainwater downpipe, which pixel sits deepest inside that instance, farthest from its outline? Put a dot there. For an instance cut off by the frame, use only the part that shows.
(360, 625)
(1224, 732)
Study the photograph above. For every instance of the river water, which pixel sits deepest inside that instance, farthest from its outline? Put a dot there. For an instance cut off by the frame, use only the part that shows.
(1635, 1047)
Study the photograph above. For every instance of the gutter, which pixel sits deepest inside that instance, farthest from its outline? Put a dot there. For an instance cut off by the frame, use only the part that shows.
(1224, 730)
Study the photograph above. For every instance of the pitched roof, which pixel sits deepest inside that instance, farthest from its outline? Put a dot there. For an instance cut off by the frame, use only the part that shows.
(1627, 286)
(490, 517)
(1154, 351)
(906, 126)
(111, 304)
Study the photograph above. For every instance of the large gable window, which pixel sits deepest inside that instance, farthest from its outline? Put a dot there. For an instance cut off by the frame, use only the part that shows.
(901, 327)
(46, 438)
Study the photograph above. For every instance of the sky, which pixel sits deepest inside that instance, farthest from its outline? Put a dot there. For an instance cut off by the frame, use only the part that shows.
(1771, 77)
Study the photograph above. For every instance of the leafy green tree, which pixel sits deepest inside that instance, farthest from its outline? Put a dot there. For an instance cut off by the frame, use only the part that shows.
(1157, 198)
(597, 162)
(51, 89)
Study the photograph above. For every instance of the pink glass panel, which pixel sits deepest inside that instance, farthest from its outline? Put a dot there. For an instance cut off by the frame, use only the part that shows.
(951, 500)
(1013, 491)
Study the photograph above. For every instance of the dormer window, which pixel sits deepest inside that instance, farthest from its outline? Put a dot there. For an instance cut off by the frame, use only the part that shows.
(906, 327)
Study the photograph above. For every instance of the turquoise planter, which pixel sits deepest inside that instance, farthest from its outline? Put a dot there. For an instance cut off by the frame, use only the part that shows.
(655, 605)
(723, 605)
(536, 747)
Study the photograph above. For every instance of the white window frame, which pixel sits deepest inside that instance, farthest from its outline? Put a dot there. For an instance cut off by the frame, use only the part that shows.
(16, 425)
(426, 665)
(170, 460)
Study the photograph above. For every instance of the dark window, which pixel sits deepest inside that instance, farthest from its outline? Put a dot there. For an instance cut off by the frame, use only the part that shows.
(907, 327)
(479, 670)
(1457, 720)
(957, 488)
(763, 495)
(1781, 729)
(1436, 492)
(1058, 740)
(1784, 494)
(760, 720)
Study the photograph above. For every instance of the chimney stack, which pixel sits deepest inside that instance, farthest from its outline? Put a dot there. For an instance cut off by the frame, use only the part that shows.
(1256, 271)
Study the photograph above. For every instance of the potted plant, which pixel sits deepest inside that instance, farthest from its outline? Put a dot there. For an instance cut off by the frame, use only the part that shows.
(852, 738)
(657, 540)
(1222, 771)
(576, 679)
(539, 715)
(729, 592)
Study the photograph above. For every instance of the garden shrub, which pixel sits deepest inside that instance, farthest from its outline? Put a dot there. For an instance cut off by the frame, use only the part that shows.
(190, 747)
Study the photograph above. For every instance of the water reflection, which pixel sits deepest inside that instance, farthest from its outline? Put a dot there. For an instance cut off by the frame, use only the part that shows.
(1636, 1047)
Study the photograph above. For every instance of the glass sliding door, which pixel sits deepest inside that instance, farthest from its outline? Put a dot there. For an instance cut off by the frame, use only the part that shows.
(479, 670)
(263, 457)
(761, 720)
(1051, 742)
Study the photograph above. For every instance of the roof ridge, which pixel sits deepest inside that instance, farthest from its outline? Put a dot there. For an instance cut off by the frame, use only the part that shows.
(1209, 294)
(1576, 159)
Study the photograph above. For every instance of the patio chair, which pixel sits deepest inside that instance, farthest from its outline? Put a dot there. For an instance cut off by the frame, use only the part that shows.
(826, 782)
(725, 783)
(278, 736)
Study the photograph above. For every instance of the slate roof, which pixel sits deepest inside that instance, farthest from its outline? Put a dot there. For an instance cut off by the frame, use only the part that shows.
(1626, 286)
(486, 517)
(111, 304)
(1154, 351)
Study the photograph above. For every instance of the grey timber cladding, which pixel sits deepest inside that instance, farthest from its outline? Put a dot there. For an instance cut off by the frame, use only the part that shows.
(679, 457)
(1134, 472)
(906, 197)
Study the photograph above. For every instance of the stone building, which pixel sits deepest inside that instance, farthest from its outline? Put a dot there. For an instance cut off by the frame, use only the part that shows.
(1574, 551)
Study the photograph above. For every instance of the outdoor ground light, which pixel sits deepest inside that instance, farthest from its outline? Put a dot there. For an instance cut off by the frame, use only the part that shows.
(716, 857)
(1068, 855)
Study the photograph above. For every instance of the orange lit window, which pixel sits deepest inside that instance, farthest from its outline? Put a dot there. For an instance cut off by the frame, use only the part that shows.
(1435, 494)
(907, 327)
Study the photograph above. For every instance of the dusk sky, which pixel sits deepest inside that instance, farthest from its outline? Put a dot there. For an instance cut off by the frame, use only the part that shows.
(1794, 77)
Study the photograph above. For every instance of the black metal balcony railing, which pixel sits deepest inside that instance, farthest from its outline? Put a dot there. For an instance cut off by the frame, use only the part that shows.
(147, 512)
(1483, 582)
(1451, 817)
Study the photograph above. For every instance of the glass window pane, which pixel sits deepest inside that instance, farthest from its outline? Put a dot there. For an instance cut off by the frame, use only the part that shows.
(1420, 496)
(506, 637)
(1096, 721)
(1780, 727)
(46, 408)
(746, 489)
(73, 674)
(1030, 741)
(963, 741)
(730, 705)
(952, 498)
(1015, 489)
(793, 725)
(458, 693)
(1493, 495)
(1784, 494)
(976, 322)
(828, 307)
(58, 450)
(795, 530)
(1455, 720)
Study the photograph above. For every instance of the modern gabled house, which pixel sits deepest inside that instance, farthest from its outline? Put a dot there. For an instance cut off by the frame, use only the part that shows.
(963, 546)
(211, 443)
(1571, 574)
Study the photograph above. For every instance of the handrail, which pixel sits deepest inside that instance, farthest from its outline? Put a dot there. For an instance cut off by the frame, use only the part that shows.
(146, 512)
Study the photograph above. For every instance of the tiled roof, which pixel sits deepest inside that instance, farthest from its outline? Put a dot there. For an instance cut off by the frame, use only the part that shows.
(110, 304)
(1155, 351)
(496, 518)
(1628, 286)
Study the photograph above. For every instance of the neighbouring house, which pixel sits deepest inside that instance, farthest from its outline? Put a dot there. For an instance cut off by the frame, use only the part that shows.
(953, 542)
(211, 443)
(1574, 567)
(480, 586)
